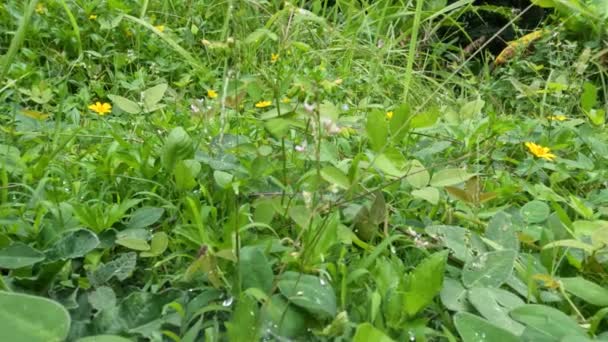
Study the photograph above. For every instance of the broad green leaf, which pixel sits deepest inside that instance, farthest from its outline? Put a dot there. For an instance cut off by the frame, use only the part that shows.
(417, 175)
(103, 298)
(471, 109)
(121, 268)
(125, 104)
(283, 318)
(178, 146)
(588, 291)
(457, 239)
(158, 245)
(25, 318)
(476, 329)
(185, 173)
(502, 231)
(134, 244)
(255, 269)
(19, 255)
(425, 283)
(367, 333)
(429, 194)
(489, 269)
(74, 244)
(424, 119)
(447, 177)
(223, 179)
(278, 127)
(153, 95)
(547, 320)
(139, 308)
(311, 293)
(243, 325)
(454, 295)
(333, 175)
(485, 302)
(535, 211)
(259, 35)
(388, 166)
(377, 130)
(589, 96)
(145, 217)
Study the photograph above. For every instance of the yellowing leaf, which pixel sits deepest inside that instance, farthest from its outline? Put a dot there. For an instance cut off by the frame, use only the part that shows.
(508, 52)
(35, 114)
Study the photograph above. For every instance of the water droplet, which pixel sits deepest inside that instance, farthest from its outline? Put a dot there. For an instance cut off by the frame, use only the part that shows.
(228, 301)
(322, 281)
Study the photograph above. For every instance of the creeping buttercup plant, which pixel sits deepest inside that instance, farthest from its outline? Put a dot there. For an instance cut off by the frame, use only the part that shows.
(210, 171)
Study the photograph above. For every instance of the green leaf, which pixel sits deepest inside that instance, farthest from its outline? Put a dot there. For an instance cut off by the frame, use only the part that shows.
(476, 329)
(145, 217)
(489, 269)
(333, 175)
(223, 179)
(74, 244)
(425, 282)
(535, 211)
(125, 104)
(388, 166)
(471, 109)
(153, 95)
(103, 298)
(282, 318)
(377, 130)
(259, 35)
(134, 244)
(502, 231)
(424, 119)
(399, 122)
(428, 194)
(19, 255)
(547, 320)
(255, 269)
(185, 173)
(243, 325)
(103, 338)
(571, 244)
(311, 293)
(367, 333)
(121, 268)
(177, 147)
(25, 318)
(589, 96)
(487, 304)
(454, 295)
(158, 245)
(417, 175)
(590, 292)
(450, 177)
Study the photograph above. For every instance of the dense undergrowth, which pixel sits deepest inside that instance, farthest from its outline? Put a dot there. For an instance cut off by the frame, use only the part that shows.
(184, 170)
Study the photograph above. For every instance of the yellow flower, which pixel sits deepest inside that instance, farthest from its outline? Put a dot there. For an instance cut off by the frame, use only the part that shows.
(161, 28)
(274, 57)
(389, 115)
(263, 104)
(558, 117)
(40, 8)
(101, 108)
(338, 81)
(211, 94)
(286, 100)
(540, 151)
(93, 17)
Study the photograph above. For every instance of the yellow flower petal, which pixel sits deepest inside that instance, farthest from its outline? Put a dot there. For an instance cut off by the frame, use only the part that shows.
(211, 94)
(161, 28)
(540, 151)
(101, 108)
(274, 57)
(389, 115)
(92, 17)
(263, 104)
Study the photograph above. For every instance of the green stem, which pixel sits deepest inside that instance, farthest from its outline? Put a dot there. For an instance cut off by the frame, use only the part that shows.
(412, 49)
(75, 27)
(17, 40)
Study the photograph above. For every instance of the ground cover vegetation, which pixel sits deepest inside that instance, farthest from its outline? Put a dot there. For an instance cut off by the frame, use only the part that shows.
(222, 170)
